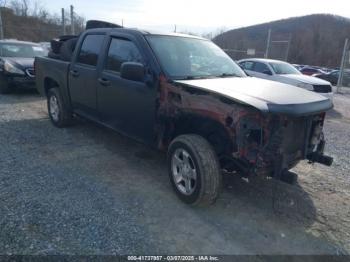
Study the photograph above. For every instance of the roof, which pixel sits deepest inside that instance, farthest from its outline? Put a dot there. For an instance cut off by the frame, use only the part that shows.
(143, 32)
(265, 60)
(14, 41)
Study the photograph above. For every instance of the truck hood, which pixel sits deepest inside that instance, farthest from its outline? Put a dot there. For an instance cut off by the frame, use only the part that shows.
(304, 79)
(267, 96)
(21, 63)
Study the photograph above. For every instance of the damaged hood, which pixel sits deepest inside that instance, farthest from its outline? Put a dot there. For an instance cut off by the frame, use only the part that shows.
(267, 96)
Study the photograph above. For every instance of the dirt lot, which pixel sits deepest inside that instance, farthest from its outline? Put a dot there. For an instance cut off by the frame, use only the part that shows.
(88, 190)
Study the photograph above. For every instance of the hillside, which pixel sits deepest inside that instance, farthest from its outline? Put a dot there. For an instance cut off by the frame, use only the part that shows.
(315, 39)
(40, 28)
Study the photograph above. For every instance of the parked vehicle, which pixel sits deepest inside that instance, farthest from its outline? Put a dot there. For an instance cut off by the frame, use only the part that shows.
(333, 77)
(16, 64)
(182, 94)
(308, 70)
(298, 67)
(46, 46)
(283, 72)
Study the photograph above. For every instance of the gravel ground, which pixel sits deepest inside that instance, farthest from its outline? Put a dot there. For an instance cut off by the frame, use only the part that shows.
(87, 190)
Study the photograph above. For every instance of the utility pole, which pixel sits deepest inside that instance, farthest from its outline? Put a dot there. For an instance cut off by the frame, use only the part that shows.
(72, 19)
(1, 27)
(288, 47)
(268, 44)
(63, 22)
(342, 66)
(122, 22)
(175, 29)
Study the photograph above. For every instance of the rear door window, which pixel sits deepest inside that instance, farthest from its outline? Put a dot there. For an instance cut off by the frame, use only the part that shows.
(90, 50)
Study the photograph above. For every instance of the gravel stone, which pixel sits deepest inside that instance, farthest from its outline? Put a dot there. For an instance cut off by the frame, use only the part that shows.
(86, 190)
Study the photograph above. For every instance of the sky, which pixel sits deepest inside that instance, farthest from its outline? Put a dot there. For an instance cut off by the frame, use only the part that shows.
(195, 15)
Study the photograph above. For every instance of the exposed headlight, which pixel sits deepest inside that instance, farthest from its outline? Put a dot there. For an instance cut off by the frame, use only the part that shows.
(306, 86)
(10, 68)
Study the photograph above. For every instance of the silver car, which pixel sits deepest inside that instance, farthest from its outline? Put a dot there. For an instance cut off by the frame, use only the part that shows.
(283, 72)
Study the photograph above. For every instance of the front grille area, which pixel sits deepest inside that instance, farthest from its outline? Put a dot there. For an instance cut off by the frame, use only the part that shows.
(294, 134)
(323, 88)
(30, 72)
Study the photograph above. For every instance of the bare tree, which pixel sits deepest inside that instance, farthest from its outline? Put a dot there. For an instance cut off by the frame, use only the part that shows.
(25, 7)
(3, 3)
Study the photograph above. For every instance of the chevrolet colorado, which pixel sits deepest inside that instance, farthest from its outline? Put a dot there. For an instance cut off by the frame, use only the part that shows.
(183, 95)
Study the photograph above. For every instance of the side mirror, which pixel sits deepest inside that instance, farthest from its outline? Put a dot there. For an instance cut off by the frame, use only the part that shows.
(132, 71)
(267, 72)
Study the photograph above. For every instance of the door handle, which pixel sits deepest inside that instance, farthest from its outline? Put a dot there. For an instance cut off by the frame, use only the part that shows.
(74, 73)
(104, 81)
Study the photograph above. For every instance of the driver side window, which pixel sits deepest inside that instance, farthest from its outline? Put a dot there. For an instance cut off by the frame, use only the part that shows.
(261, 68)
(120, 51)
(247, 65)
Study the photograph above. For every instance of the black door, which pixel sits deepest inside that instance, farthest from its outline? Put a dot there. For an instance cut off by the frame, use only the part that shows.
(128, 106)
(83, 76)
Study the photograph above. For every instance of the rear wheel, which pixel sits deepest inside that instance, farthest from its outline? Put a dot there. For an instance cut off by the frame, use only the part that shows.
(194, 170)
(58, 113)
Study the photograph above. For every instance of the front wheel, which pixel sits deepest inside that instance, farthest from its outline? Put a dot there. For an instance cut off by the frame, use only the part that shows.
(194, 170)
(58, 113)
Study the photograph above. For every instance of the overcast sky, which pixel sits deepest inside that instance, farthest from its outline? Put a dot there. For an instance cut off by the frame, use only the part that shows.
(198, 16)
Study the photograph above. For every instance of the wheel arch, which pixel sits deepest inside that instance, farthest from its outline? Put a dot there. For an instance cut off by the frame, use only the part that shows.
(50, 83)
(211, 129)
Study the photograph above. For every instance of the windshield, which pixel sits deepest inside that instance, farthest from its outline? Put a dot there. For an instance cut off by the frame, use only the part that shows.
(21, 50)
(191, 58)
(284, 68)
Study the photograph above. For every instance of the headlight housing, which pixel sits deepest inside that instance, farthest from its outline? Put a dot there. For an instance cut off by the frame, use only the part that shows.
(10, 68)
(306, 86)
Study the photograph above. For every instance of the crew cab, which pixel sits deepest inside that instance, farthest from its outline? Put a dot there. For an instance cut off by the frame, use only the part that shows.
(183, 95)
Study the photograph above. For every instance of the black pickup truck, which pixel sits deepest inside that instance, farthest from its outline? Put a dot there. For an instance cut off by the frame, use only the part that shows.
(183, 95)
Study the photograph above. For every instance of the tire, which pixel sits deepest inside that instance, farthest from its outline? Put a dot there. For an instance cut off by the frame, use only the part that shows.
(92, 24)
(59, 115)
(4, 86)
(198, 160)
(66, 37)
(57, 43)
(67, 49)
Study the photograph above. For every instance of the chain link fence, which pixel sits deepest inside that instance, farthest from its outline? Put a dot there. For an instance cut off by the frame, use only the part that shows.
(241, 54)
(276, 46)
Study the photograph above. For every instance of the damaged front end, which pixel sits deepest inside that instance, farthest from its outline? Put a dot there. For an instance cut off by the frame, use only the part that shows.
(248, 137)
(275, 143)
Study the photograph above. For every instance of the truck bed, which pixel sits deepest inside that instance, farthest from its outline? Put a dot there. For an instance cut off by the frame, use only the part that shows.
(54, 70)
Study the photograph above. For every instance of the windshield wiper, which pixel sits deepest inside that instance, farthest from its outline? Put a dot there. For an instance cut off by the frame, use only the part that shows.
(228, 75)
(194, 77)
